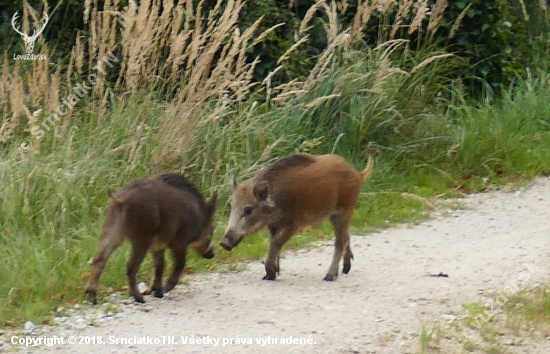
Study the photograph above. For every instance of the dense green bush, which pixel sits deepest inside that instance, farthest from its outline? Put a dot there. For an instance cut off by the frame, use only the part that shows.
(495, 36)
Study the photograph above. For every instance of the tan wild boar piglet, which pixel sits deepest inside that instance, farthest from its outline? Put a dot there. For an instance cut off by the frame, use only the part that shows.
(164, 211)
(293, 192)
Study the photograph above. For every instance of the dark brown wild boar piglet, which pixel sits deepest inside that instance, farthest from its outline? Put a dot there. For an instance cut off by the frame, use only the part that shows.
(293, 192)
(164, 211)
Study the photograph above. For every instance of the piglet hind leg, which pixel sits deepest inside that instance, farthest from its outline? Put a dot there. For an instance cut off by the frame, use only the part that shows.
(179, 254)
(109, 241)
(139, 250)
(158, 259)
(340, 223)
(348, 256)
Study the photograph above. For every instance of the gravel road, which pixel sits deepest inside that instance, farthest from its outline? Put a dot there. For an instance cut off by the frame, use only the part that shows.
(379, 307)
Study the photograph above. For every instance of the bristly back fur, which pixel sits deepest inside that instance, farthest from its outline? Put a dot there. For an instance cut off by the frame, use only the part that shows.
(181, 182)
(173, 179)
(286, 162)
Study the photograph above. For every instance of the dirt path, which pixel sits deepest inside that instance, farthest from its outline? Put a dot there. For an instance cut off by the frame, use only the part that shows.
(379, 307)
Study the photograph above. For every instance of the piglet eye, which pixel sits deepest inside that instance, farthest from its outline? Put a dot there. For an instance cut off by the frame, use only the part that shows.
(247, 210)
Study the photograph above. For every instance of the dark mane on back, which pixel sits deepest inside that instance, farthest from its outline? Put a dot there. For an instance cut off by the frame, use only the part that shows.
(287, 162)
(128, 187)
(181, 182)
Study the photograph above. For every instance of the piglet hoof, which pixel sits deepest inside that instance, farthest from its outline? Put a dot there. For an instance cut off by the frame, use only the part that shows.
(346, 268)
(330, 277)
(158, 293)
(91, 294)
(269, 277)
(139, 299)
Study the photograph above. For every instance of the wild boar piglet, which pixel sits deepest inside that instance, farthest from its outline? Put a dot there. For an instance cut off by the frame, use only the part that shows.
(293, 192)
(164, 211)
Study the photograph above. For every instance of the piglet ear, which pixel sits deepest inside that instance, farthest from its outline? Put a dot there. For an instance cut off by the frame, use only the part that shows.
(211, 204)
(261, 191)
(234, 184)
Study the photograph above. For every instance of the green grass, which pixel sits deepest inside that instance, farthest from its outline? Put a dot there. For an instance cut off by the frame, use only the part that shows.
(525, 316)
(530, 308)
(429, 339)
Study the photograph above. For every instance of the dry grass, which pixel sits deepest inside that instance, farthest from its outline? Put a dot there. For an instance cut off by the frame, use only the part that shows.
(543, 6)
(404, 9)
(348, 37)
(205, 58)
(361, 19)
(192, 56)
(25, 92)
(429, 61)
(437, 15)
(421, 13)
(458, 20)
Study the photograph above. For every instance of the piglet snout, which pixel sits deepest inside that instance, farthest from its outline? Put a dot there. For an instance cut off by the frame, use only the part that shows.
(226, 244)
